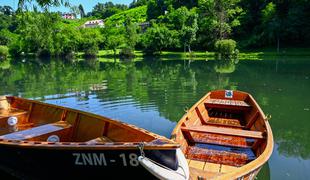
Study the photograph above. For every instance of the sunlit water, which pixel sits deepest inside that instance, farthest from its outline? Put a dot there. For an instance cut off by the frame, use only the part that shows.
(153, 94)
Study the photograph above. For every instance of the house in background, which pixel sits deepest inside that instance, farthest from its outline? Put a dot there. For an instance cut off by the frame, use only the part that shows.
(94, 24)
(68, 16)
(144, 25)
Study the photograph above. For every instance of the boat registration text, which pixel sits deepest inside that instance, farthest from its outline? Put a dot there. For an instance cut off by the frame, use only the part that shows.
(99, 159)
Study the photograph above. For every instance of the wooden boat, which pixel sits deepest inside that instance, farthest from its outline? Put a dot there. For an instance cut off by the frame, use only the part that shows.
(39, 140)
(225, 135)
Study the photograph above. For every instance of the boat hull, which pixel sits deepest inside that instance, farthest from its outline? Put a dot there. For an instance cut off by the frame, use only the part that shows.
(74, 163)
(45, 141)
(235, 132)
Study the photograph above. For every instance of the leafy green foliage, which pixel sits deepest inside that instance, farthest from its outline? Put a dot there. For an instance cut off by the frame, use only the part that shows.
(104, 10)
(136, 15)
(157, 38)
(217, 18)
(6, 37)
(82, 12)
(45, 34)
(137, 3)
(4, 52)
(67, 40)
(156, 8)
(131, 34)
(114, 38)
(44, 3)
(91, 39)
(226, 49)
(196, 24)
(185, 22)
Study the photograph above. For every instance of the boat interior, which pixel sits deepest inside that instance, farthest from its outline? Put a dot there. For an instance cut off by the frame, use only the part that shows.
(221, 134)
(27, 120)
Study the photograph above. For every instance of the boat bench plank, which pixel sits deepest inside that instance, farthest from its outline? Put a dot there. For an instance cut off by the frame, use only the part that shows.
(227, 122)
(225, 131)
(216, 156)
(38, 131)
(227, 103)
(219, 139)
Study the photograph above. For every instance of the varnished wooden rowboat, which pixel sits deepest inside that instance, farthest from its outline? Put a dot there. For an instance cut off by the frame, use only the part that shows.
(39, 140)
(225, 135)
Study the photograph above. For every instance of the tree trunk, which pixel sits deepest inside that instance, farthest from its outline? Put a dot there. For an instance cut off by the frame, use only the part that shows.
(278, 44)
(189, 49)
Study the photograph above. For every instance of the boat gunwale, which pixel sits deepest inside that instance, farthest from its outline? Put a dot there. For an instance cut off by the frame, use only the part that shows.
(251, 166)
(83, 145)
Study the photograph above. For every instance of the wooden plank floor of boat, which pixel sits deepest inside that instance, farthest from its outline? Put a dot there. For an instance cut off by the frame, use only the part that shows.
(207, 170)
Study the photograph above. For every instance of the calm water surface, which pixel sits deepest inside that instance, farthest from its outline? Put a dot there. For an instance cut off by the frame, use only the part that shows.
(153, 94)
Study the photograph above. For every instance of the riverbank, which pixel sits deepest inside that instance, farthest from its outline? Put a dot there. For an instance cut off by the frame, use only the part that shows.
(267, 53)
(257, 54)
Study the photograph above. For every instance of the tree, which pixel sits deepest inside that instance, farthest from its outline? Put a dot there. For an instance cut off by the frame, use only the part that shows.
(217, 18)
(82, 12)
(6, 10)
(104, 10)
(67, 41)
(115, 38)
(91, 38)
(157, 38)
(137, 3)
(131, 34)
(4, 52)
(44, 34)
(75, 10)
(189, 3)
(6, 37)
(42, 3)
(185, 22)
(271, 24)
(37, 32)
(156, 8)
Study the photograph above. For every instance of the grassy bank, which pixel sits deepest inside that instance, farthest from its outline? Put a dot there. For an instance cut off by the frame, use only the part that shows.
(262, 54)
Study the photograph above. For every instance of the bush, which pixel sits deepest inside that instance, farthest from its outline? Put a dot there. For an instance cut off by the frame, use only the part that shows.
(4, 52)
(126, 53)
(226, 49)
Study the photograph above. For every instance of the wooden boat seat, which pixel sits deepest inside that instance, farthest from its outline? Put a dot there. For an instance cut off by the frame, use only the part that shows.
(220, 154)
(102, 139)
(219, 139)
(225, 131)
(227, 104)
(40, 133)
(226, 122)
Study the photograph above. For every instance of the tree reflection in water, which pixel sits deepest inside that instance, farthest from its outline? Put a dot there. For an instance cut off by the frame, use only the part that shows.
(168, 87)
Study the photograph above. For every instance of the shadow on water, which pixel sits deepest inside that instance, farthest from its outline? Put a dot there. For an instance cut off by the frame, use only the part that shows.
(153, 94)
(264, 173)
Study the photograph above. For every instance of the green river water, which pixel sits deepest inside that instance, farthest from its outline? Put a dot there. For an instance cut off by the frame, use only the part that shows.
(153, 94)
